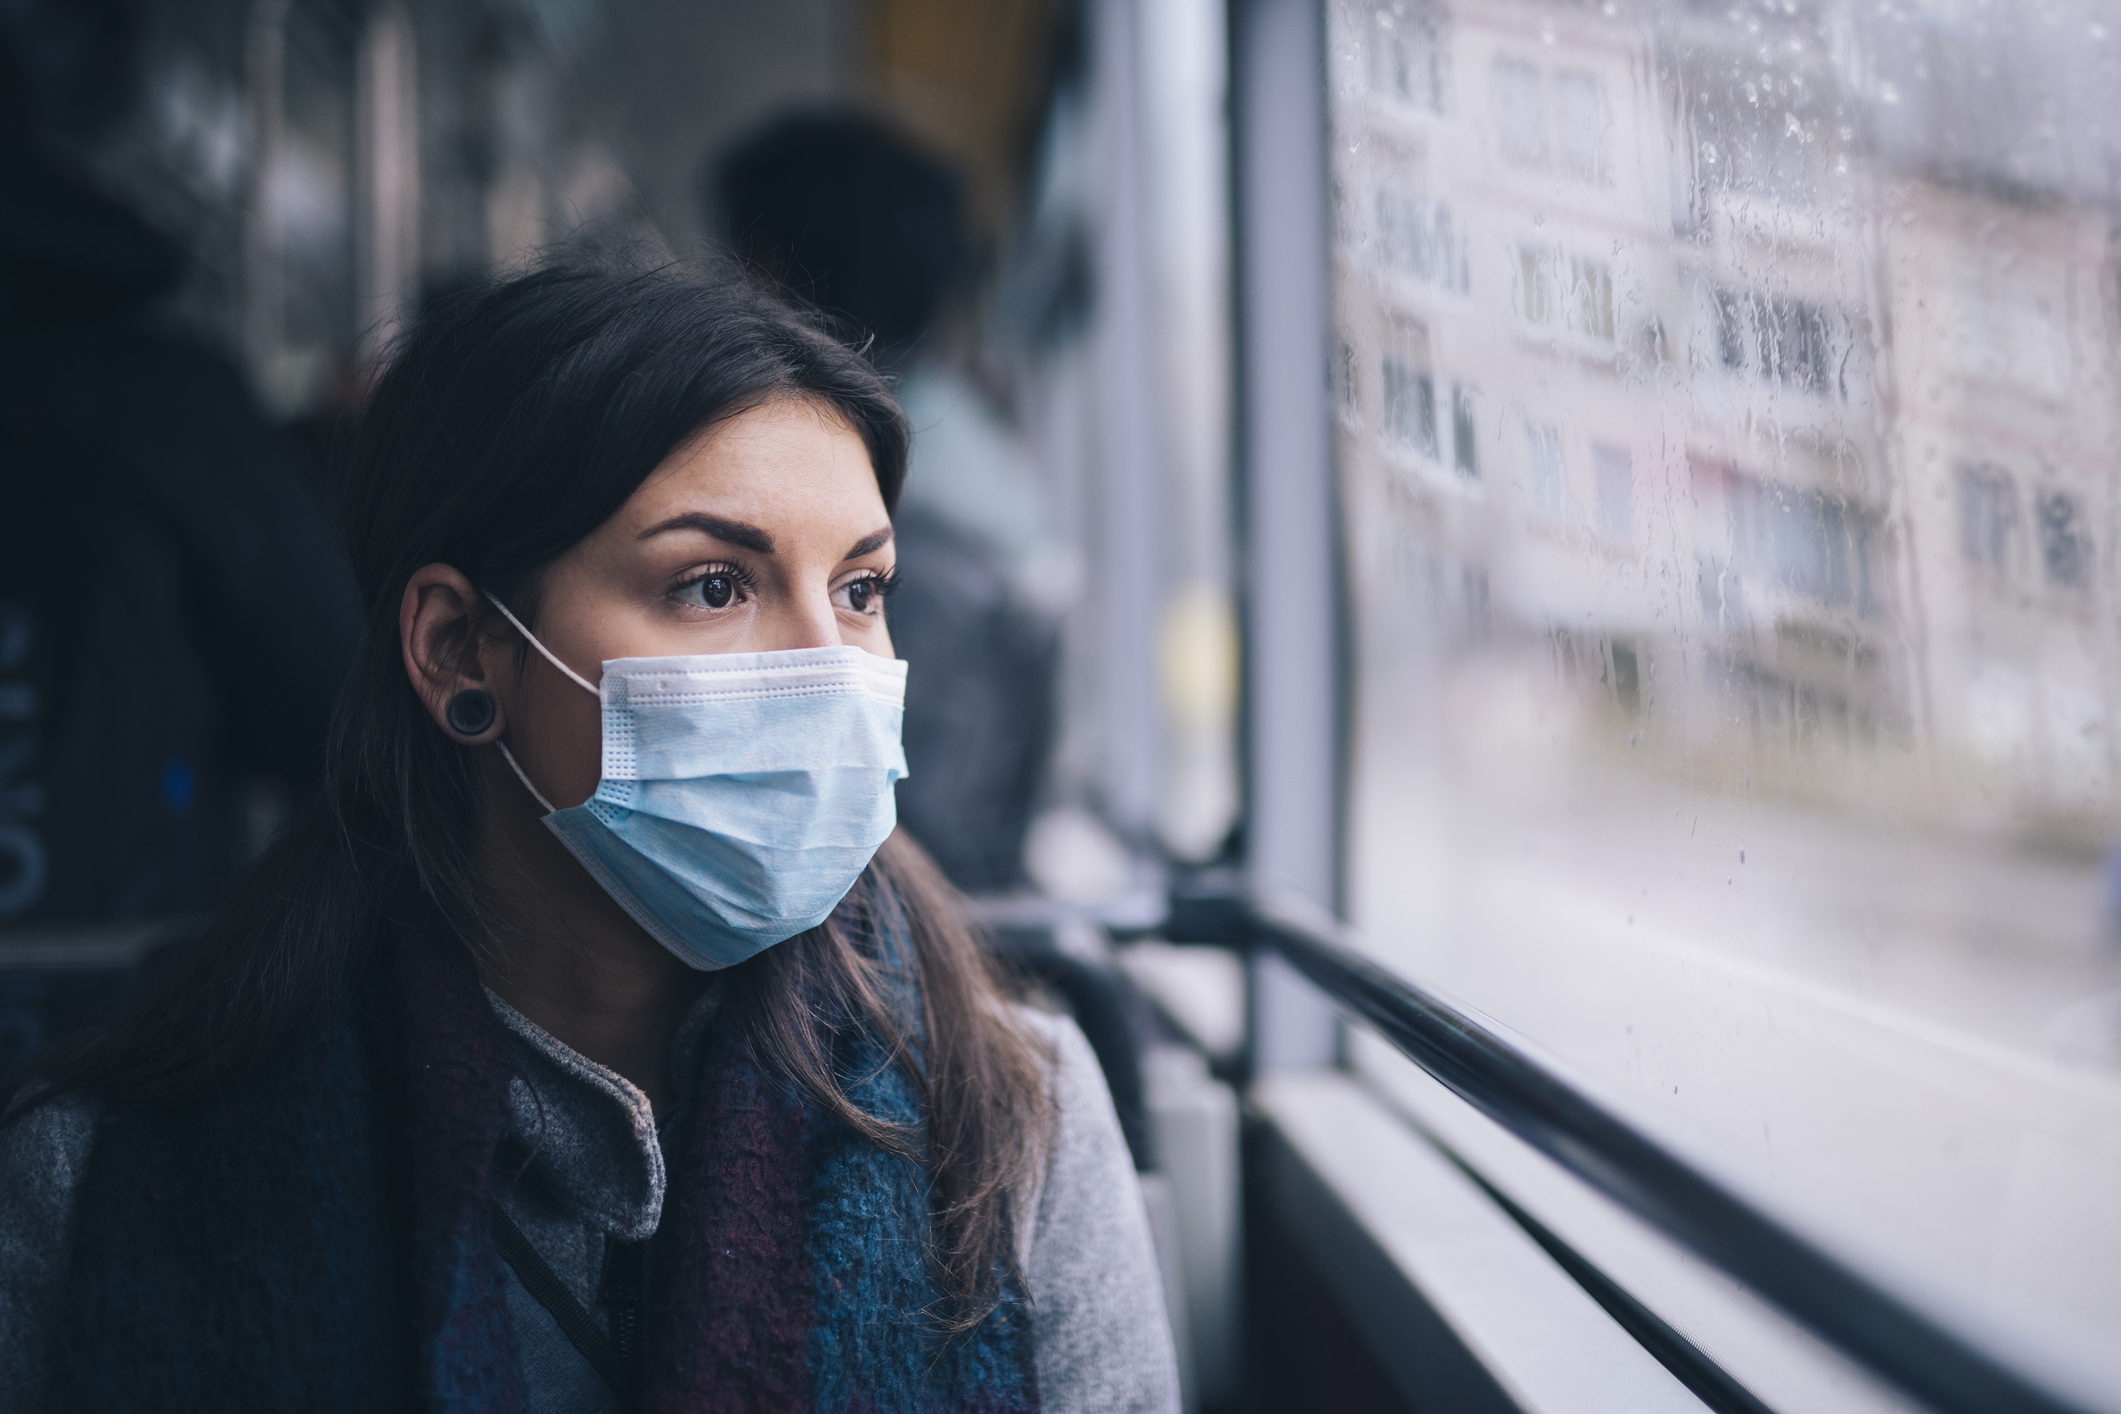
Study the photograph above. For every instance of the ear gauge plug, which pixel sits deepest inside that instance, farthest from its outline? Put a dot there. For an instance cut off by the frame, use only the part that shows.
(471, 711)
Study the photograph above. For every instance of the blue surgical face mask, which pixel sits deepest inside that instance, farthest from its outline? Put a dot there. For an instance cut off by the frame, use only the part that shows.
(742, 794)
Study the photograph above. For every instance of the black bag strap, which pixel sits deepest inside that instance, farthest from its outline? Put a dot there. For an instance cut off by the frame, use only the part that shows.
(617, 1362)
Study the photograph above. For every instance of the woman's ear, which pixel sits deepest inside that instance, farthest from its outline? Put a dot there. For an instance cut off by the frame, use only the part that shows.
(438, 629)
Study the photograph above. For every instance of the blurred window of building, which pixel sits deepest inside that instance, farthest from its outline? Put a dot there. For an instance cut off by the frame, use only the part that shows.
(1551, 119)
(1549, 472)
(1423, 239)
(1615, 473)
(2065, 547)
(1405, 60)
(1520, 113)
(1591, 291)
(1465, 448)
(1410, 406)
(1988, 517)
(1572, 294)
(1408, 391)
(1536, 277)
(1776, 338)
(1579, 124)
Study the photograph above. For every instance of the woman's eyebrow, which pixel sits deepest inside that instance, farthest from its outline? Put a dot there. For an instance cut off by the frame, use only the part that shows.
(869, 544)
(736, 532)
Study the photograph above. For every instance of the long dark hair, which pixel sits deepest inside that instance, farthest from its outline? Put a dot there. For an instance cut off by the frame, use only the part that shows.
(517, 418)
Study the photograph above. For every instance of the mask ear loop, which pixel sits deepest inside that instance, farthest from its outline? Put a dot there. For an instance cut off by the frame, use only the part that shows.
(550, 657)
(510, 758)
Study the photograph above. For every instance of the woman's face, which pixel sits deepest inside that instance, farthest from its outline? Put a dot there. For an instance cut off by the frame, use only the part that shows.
(766, 532)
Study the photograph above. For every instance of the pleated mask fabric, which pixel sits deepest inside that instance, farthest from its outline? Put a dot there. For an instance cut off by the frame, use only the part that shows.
(740, 795)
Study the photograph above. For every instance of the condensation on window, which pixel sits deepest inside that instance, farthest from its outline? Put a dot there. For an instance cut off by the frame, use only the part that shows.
(1730, 437)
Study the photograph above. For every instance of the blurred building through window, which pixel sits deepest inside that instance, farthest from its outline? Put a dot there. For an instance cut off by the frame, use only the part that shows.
(1727, 438)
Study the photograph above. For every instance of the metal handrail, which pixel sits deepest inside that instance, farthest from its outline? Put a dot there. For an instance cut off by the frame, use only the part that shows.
(1526, 1096)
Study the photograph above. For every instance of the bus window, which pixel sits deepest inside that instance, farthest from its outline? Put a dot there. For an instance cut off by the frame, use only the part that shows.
(1728, 401)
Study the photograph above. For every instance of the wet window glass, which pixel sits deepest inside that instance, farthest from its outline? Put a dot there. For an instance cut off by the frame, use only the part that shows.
(1728, 402)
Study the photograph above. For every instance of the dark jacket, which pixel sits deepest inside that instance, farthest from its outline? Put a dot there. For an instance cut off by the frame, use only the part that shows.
(175, 606)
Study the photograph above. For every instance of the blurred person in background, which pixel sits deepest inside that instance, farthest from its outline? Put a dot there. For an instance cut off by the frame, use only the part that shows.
(592, 1041)
(176, 614)
(843, 211)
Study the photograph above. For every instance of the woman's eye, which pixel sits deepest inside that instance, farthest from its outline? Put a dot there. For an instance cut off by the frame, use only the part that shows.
(861, 595)
(715, 591)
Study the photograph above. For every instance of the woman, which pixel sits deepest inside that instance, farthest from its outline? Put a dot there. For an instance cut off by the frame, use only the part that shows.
(593, 1043)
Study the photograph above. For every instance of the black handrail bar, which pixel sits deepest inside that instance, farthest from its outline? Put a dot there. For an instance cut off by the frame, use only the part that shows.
(1527, 1097)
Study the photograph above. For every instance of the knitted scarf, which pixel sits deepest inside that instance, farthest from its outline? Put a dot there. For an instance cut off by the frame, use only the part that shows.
(235, 1254)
